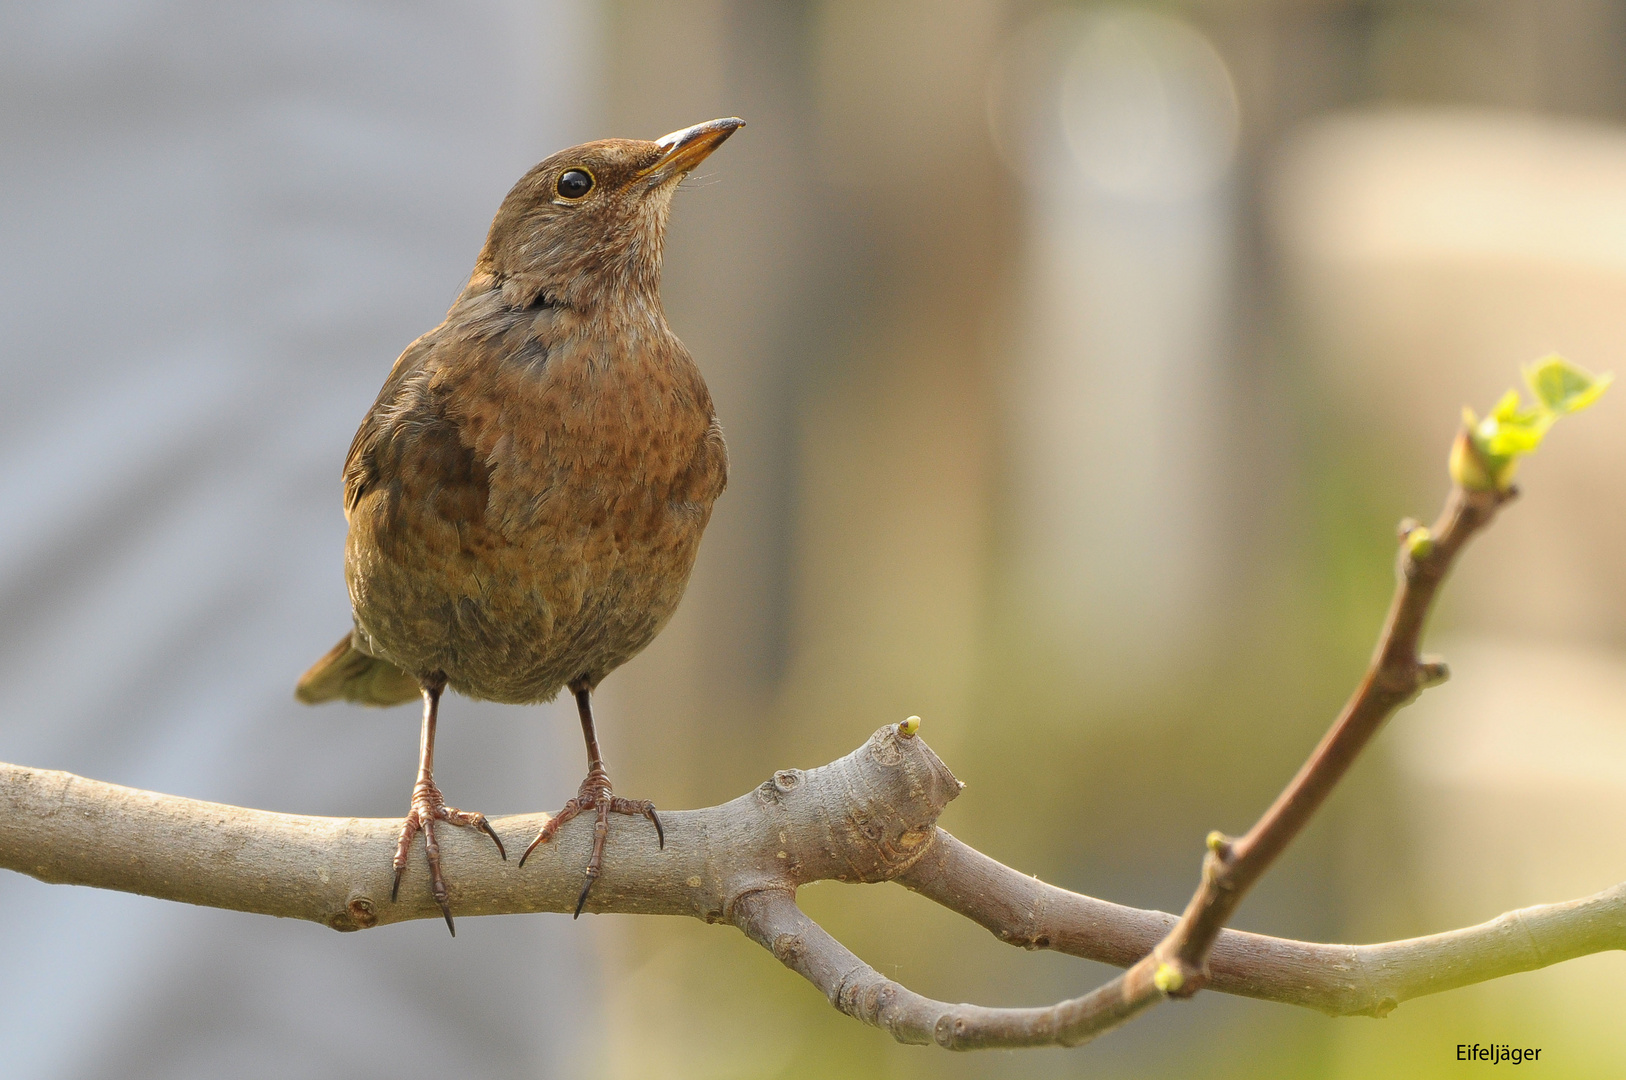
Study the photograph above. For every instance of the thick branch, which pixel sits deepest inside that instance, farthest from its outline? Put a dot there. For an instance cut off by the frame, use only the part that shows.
(867, 817)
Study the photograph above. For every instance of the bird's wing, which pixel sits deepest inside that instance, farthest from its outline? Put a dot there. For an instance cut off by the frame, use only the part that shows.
(394, 398)
(414, 474)
(708, 471)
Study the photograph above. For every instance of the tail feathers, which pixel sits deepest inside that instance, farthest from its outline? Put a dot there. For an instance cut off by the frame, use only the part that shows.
(347, 672)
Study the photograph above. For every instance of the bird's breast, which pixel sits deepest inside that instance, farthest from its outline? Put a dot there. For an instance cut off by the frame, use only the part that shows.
(544, 515)
(600, 435)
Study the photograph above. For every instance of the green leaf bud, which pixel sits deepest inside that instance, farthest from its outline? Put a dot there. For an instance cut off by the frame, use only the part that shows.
(1487, 451)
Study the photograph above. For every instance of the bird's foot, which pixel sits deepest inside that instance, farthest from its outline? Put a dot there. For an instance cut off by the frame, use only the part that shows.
(595, 794)
(427, 808)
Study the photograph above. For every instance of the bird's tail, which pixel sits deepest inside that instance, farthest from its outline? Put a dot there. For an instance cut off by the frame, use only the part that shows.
(347, 672)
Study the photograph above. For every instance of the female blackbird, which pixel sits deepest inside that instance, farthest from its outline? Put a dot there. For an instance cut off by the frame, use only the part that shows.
(527, 494)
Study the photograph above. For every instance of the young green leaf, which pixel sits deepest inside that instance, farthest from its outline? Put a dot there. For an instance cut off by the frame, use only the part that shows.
(1487, 452)
(1561, 387)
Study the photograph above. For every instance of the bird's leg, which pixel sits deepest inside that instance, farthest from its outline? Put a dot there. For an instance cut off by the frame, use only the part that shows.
(428, 807)
(594, 794)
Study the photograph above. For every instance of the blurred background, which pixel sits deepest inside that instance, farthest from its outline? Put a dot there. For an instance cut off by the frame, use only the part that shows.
(1077, 362)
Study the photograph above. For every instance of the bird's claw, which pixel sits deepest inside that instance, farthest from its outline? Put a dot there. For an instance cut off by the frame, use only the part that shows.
(595, 795)
(485, 826)
(429, 807)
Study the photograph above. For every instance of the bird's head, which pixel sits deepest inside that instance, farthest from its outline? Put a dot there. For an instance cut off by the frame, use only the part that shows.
(584, 228)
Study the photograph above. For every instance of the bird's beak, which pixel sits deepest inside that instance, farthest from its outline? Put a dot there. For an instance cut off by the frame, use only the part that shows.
(689, 147)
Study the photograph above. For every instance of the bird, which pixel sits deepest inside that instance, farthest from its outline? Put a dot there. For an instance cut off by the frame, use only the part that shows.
(525, 498)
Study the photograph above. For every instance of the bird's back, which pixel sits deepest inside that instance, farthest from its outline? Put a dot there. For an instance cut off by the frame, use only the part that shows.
(527, 495)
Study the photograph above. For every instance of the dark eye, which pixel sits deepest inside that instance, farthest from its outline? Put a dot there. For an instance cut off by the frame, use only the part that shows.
(574, 183)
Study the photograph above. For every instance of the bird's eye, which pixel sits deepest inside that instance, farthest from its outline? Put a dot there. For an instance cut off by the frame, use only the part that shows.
(574, 183)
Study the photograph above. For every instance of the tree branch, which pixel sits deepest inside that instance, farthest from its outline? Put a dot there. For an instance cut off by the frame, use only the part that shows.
(1395, 676)
(772, 920)
(1178, 965)
(1339, 980)
(868, 817)
(864, 817)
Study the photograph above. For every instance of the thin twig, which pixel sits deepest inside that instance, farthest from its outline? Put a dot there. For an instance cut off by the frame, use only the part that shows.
(1178, 965)
(772, 919)
(1339, 980)
(1396, 675)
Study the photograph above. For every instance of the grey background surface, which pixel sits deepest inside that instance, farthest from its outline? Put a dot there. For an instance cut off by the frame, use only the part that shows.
(218, 226)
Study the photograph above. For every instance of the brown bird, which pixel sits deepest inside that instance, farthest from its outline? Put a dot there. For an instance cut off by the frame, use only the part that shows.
(526, 496)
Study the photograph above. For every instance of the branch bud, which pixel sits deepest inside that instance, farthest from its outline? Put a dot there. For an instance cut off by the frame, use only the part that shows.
(1432, 671)
(1469, 469)
(1167, 978)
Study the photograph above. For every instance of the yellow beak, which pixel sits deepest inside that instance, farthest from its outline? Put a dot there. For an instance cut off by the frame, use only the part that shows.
(689, 147)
